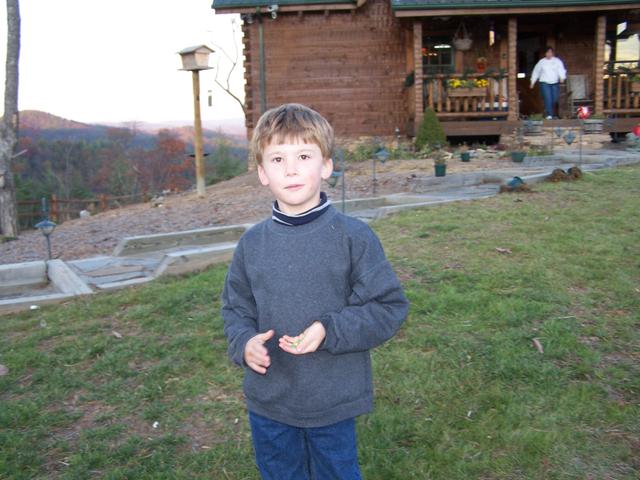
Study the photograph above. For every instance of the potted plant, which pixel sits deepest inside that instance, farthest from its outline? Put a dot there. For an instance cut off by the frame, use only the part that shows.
(440, 164)
(633, 76)
(463, 87)
(594, 123)
(461, 39)
(533, 124)
(465, 154)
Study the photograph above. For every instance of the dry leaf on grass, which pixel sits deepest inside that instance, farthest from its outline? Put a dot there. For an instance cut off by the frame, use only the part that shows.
(503, 250)
(538, 345)
(116, 334)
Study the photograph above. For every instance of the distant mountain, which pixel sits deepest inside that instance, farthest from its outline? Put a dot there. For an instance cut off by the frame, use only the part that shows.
(39, 125)
(37, 120)
(233, 127)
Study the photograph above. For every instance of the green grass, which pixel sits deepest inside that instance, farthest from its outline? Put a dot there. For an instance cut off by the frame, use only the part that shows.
(462, 393)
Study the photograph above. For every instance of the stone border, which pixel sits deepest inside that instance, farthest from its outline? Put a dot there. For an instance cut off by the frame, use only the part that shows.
(191, 250)
(130, 246)
(63, 280)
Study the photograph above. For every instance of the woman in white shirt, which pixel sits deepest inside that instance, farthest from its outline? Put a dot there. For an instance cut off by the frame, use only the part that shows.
(550, 72)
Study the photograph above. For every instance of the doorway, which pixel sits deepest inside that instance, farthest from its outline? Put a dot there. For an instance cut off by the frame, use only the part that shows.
(530, 50)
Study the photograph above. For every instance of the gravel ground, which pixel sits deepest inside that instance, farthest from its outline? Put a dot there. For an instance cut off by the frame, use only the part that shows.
(240, 200)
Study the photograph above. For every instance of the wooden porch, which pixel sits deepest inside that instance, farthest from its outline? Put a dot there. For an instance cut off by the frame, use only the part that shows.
(494, 127)
(490, 101)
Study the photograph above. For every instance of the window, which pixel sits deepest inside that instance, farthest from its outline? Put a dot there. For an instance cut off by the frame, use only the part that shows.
(437, 55)
(621, 49)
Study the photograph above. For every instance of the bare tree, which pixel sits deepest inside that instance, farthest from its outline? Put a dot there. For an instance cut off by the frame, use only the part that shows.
(235, 59)
(9, 125)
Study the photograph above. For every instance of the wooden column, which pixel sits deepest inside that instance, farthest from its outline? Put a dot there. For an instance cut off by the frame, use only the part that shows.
(197, 123)
(418, 75)
(598, 77)
(514, 107)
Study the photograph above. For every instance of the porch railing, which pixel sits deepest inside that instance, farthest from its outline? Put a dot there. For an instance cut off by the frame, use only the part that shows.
(621, 92)
(489, 101)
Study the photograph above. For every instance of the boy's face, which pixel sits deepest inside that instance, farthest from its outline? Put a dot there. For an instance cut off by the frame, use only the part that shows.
(294, 173)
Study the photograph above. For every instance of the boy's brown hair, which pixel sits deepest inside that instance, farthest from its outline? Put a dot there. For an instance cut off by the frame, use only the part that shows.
(288, 122)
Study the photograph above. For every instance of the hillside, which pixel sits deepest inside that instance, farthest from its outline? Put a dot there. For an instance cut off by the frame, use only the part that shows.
(239, 200)
(38, 125)
(37, 120)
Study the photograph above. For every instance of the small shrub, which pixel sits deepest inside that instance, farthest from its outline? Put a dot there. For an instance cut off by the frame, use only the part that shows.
(361, 153)
(430, 134)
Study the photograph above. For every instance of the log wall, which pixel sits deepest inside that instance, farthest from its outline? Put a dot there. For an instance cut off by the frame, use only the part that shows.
(350, 67)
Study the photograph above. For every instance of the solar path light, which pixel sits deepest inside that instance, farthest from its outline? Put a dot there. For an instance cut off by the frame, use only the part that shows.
(381, 155)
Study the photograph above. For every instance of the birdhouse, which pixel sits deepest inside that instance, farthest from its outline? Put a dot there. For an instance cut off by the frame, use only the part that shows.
(196, 58)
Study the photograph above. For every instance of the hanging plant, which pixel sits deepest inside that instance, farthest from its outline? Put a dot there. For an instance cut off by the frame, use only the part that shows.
(461, 39)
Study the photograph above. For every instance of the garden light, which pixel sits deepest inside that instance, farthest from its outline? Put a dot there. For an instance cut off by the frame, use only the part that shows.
(382, 155)
(47, 227)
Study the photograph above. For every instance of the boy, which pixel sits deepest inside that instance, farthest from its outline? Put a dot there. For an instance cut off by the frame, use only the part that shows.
(308, 293)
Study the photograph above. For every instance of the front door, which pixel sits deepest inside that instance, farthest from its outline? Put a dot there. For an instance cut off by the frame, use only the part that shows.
(530, 50)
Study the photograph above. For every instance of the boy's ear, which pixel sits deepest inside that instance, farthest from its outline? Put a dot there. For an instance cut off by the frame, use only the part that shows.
(264, 180)
(327, 168)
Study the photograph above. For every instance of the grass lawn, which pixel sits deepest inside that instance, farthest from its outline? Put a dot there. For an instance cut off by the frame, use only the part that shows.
(136, 384)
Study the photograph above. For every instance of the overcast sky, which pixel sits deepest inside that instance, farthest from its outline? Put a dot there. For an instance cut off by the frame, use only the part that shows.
(116, 60)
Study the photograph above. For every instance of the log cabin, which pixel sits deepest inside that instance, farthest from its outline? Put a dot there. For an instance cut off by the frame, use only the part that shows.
(372, 67)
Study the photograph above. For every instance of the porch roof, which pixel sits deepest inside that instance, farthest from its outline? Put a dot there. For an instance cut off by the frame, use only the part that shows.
(471, 4)
(236, 4)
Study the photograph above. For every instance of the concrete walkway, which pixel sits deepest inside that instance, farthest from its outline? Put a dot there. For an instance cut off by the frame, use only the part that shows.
(141, 259)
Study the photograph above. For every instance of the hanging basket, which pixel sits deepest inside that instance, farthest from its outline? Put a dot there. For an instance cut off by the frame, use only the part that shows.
(461, 39)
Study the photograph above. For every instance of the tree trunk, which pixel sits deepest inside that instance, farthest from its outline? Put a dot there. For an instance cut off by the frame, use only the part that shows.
(9, 125)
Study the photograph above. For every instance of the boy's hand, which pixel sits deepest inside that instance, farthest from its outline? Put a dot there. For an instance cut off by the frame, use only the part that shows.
(255, 353)
(307, 342)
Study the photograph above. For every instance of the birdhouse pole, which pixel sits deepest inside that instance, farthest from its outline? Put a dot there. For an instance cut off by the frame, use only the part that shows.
(195, 59)
(197, 123)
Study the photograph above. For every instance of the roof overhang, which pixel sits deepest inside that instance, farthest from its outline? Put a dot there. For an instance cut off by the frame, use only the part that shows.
(261, 6)
(425, 8)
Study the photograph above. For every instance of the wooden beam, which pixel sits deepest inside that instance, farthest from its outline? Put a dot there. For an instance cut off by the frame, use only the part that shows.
(512, 89)
(598, 77)
(290, 8)
(460, 128)
(418, 75)
(512, 11)
(462, 115)
(625, 111)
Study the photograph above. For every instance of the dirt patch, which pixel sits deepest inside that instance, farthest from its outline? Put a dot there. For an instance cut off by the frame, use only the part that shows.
(239, 200)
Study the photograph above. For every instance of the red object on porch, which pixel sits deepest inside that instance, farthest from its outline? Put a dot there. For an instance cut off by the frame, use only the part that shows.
(636, 130)
(583, 113)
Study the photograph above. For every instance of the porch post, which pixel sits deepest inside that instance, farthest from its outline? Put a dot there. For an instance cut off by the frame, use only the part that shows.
(418, 75)
(598, 78)
(514, 108)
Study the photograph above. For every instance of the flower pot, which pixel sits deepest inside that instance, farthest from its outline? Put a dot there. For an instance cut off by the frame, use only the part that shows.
(467, 92)
(463, 44)
(441, 170)
(518, 156)
(465, 156)
(592, 125)
(533, 127)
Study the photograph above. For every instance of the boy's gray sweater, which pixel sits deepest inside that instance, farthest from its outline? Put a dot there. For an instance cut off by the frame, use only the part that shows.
(334, 270)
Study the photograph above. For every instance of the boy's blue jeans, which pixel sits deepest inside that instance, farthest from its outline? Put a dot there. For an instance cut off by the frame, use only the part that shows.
(550, 93)
(284, 452)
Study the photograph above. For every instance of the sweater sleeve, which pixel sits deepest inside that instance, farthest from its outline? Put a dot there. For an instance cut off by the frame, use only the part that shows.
(562, 72)
(535, 75)
(376, 307)
(239, 310)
